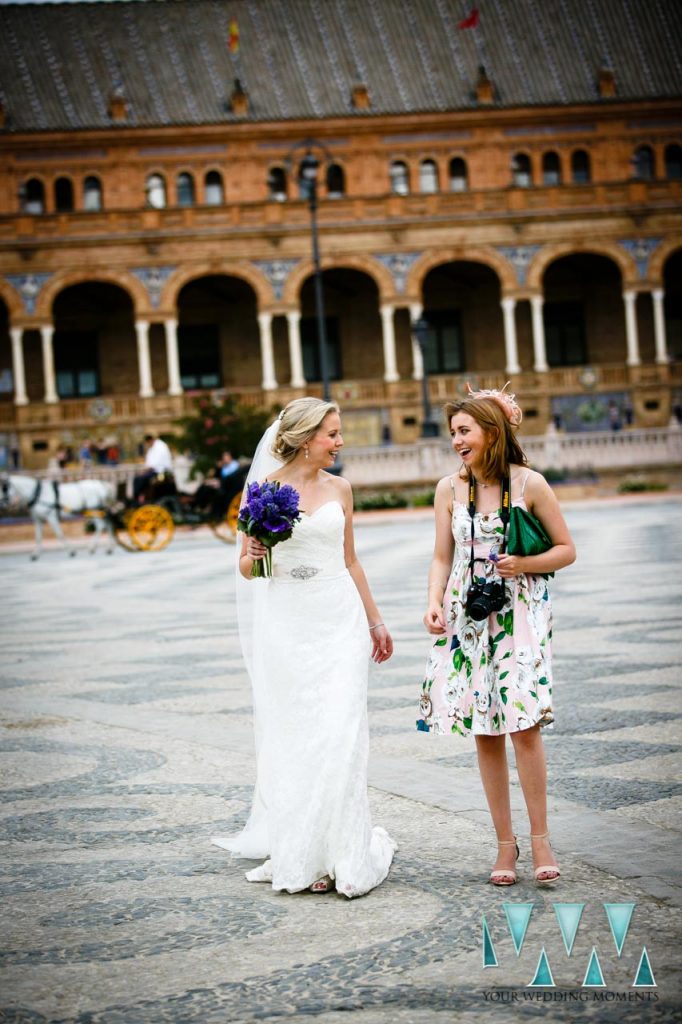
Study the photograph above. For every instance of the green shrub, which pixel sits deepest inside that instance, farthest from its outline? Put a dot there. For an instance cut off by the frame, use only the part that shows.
(217, 426)
(638, 484)
(554, 476)
(423, 500)
(367, 502)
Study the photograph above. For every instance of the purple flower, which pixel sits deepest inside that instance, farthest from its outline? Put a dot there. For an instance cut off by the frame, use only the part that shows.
(269, 514)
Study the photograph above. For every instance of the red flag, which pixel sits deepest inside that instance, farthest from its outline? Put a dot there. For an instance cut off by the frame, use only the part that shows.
(472, 20)
(233, 37)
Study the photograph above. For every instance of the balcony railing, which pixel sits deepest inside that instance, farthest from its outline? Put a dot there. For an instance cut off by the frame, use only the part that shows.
(268, 215)
(368, 393)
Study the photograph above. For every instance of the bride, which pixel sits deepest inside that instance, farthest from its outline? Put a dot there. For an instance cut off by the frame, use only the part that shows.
(307, 635)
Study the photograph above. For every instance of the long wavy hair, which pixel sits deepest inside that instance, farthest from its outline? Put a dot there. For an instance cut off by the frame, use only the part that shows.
(299, 422)
(503, 448)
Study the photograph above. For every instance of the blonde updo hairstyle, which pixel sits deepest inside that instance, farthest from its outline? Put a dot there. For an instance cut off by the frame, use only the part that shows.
(503, 447)
(298, 424)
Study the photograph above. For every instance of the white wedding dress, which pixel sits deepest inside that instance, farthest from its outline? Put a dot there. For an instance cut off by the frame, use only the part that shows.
(310, 815)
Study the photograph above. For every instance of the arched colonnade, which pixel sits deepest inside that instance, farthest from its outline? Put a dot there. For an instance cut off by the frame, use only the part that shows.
(273, 302)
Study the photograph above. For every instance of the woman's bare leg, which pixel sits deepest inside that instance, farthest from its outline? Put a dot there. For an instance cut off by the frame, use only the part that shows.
(532, 768)
(492, 764)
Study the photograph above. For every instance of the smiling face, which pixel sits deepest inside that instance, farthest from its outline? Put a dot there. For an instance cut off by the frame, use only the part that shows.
(469, 440)
(325, 445)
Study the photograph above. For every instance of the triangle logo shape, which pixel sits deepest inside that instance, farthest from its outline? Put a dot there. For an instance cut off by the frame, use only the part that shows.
(645, 976)
(594, 977)
(619, 915)
(543, 973)
(568, 915)
(489, 957)
(518, 916)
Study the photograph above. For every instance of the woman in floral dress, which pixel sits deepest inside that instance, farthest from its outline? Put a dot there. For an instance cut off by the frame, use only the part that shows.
(493, 676)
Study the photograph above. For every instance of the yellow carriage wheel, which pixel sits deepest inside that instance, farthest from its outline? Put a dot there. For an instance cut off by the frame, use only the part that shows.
(151, 527)
(226, 529)
(121, 535)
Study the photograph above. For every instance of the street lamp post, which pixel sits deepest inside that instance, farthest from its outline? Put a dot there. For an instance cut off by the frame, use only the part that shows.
(420, 330)
(307, 177)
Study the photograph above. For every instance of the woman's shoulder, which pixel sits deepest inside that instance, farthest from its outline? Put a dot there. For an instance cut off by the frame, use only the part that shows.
(530, 481)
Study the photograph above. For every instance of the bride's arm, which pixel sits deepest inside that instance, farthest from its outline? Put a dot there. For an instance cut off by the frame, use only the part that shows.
(382, 644)
(252, 550)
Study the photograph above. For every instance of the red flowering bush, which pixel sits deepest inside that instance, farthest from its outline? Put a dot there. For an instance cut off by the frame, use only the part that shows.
(217, 426)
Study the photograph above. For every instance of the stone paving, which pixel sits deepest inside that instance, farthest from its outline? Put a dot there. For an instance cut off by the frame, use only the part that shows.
(125, 742)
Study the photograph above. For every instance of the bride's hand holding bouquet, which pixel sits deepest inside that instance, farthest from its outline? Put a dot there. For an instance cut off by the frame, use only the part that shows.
(267, 517)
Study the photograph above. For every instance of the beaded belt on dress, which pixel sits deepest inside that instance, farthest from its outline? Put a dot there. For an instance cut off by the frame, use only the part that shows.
(306, 573)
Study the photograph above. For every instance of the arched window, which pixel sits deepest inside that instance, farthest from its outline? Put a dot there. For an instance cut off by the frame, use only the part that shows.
(673, 162)
(213, 189)
(336, 183)
(643, 163)
(521, 170)
(63, 195)
(428, 176)
(458, 175)
(400, 179)
(156, 191)
(92, 193)
(580, 167)
(185, 189)
(551, 169)
(277, 184)
(33, 196)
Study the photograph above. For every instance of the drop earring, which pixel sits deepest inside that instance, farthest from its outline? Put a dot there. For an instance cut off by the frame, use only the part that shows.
(307, 453)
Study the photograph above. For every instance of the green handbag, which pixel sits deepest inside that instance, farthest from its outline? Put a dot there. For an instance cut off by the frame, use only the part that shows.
(527, 535)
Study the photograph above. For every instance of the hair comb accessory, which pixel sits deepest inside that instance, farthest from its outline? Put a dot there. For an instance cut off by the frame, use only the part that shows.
(506, 401)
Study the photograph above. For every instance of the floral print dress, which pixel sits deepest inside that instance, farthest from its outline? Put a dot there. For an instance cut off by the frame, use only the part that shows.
(493, 676)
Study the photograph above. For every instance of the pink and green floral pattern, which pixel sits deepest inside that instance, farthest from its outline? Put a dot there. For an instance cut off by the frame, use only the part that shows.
(494, 676)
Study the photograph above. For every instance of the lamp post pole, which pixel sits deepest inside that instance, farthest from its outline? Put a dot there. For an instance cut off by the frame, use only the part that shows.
(308, 183)
(420, 329)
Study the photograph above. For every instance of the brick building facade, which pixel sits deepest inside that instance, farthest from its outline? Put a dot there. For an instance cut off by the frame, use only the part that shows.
(518, 183)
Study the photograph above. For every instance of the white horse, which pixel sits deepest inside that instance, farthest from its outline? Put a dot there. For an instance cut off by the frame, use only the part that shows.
(46, 499)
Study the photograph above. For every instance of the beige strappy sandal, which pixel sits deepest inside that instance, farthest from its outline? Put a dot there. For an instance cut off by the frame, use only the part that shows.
(551, 870)
(505, 876)
(324, 884)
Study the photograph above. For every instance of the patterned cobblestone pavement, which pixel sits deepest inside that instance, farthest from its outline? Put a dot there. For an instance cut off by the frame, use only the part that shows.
(125, 742)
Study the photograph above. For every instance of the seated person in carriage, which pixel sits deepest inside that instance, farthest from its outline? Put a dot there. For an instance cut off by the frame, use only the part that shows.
(157, 462)
(216, 492)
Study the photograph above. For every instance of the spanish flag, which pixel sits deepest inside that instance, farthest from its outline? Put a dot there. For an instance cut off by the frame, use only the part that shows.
(233, 37)
(472, 20)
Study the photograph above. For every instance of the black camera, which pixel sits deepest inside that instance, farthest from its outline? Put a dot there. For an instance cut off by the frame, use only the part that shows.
(484, 598)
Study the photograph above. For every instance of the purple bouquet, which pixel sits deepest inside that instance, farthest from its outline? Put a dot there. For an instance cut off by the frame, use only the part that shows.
(268, 514)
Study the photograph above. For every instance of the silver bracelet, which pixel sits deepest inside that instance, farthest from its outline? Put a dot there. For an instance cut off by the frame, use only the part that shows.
(376, 626)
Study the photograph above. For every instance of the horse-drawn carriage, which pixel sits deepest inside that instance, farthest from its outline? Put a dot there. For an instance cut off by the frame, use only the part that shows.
(146, 526)
(150, 525)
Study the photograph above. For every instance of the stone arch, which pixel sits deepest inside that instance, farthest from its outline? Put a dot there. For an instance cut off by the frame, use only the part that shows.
(127, 282)
(551, 253)
(659, 257)
(466, 254)
(12, 299)
(245, 272)
(365, 264)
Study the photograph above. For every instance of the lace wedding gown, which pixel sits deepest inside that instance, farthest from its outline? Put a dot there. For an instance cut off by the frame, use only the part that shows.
(310, 814)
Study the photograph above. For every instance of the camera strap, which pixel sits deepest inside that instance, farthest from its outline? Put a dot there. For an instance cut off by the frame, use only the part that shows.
(505, 512)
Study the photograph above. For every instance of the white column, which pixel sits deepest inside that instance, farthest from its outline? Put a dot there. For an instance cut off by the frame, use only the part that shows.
(18, 371)
(659, 326)
(172, 358)
(511, 351)
(295, 353)
(417, 360)
(144, 365)
(632, 340)
(388, 335)
(539, 348)
(46, 332)
(269, 382)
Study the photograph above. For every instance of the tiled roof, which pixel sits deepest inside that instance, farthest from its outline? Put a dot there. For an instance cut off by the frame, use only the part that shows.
(300, 58)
